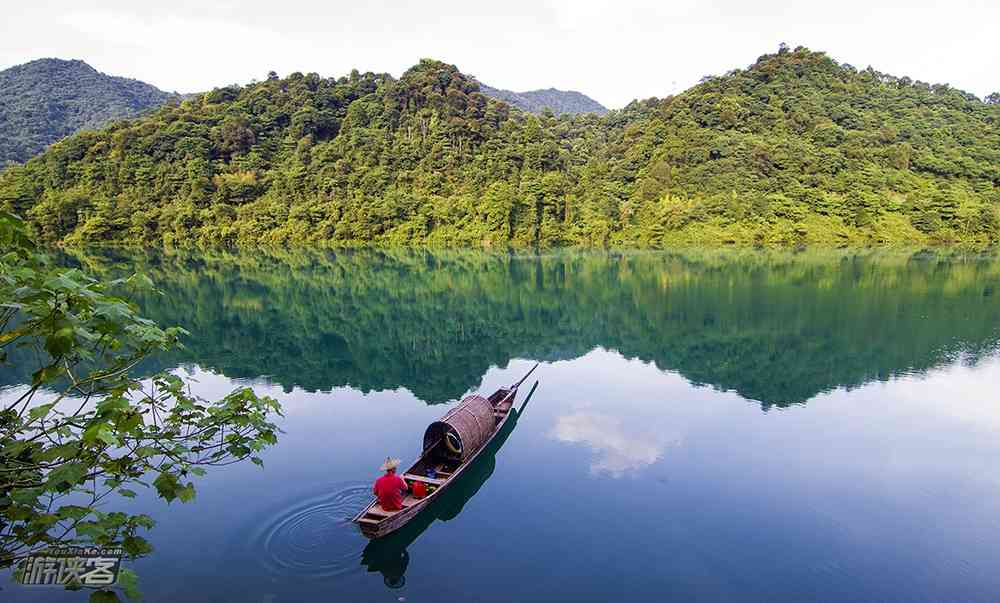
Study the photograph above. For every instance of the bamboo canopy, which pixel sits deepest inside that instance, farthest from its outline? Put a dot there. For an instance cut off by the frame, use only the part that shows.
(472, 421)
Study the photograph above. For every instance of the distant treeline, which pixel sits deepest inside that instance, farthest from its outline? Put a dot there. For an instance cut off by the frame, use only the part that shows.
(796, 149)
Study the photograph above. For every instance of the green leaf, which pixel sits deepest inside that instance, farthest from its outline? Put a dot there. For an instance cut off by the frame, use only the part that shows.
(136, 546)
(64, 451)
(25, 496)
(129, 583)
(167, 486)
(91, 530)
(104, 596)
(63, 281)
(112, 404)
(186, 494)
(46, 374)
(129, 423)
(61, 342)
(144, 451)
(72, 512)
(127, 493)
(44, 520)
(106, 436)
(15, 448)
(102, 432)
(67, 473)
(40, 411)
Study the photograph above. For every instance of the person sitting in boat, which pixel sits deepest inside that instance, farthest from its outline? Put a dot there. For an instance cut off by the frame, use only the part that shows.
(390, 488)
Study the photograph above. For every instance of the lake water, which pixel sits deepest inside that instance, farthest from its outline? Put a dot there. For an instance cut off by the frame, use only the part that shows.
(714, 426)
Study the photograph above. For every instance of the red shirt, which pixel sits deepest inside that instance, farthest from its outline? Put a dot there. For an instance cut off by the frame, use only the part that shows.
(389, 489)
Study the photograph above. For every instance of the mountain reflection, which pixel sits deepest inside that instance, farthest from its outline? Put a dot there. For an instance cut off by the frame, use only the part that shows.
(774, 327)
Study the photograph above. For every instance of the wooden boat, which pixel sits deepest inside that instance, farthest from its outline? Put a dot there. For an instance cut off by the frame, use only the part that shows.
(451, 445)
(389, 556)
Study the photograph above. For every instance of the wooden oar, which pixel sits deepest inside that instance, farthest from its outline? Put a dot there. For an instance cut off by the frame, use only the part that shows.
(516, 385)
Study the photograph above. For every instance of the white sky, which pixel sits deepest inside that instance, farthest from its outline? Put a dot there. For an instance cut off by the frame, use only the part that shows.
(614, 51)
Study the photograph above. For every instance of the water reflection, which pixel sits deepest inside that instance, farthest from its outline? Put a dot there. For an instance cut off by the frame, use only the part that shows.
(314, 538)
(886, 491)
(621, 445)
(775, 327)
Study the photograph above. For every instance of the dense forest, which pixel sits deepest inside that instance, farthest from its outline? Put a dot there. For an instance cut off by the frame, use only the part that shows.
(558, 102)
(48, 99)
(777, 327)
(796, 149)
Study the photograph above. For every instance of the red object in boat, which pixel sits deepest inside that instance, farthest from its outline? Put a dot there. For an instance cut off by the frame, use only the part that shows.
(419, 489)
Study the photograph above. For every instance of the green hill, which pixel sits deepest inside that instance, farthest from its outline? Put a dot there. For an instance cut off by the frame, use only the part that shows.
(796, 149)
(537, 101)
(49, 99)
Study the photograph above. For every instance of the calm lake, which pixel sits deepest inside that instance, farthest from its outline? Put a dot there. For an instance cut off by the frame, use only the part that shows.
(708, 426)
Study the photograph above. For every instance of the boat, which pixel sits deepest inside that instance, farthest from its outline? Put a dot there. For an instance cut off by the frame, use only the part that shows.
(390, 556)
(451, 445)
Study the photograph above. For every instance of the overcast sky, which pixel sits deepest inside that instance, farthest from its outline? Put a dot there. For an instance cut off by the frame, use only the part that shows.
(614, 51)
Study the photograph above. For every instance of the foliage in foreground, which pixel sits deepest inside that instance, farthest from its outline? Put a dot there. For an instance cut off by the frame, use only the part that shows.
(84, 430)
(796, 149)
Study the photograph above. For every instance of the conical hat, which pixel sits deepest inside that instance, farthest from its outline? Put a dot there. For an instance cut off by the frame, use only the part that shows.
(390, 463)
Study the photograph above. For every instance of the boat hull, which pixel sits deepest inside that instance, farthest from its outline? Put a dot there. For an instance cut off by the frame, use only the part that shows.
(373, 521)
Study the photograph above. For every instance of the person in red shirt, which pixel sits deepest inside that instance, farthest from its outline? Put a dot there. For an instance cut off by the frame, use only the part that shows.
(390, 488)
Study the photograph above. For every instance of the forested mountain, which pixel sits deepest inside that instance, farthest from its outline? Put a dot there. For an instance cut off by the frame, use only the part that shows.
(796, 149)
(536, 101)
(48, 99)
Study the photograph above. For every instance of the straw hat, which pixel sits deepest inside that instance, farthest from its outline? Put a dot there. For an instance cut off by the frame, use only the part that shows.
(390, 463)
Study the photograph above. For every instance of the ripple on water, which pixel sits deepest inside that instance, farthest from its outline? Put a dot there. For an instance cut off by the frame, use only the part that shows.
(314, 537)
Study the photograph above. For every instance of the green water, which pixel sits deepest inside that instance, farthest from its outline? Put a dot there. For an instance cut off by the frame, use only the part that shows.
(708, 426)
(776, 328)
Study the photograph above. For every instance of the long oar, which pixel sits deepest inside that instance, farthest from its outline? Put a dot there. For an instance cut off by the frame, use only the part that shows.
(512, 390)
(518, 384)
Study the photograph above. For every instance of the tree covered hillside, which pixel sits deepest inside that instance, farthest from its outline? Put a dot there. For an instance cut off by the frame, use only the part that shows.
(48, 99)
(796, 149)
(537, 101)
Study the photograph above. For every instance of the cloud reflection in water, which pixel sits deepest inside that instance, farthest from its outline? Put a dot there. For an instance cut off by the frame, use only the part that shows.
(620, 448)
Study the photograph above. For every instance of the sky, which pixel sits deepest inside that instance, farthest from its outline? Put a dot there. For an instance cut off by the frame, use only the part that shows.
(614, 51)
